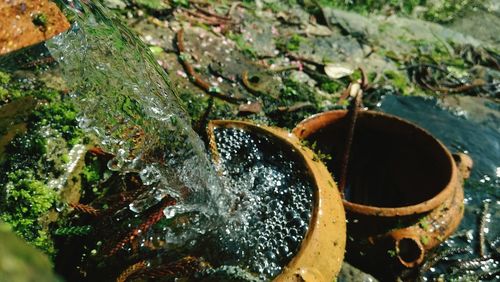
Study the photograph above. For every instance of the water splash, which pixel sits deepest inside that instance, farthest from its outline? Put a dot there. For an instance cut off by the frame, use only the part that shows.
(271, 213)
(126, 102)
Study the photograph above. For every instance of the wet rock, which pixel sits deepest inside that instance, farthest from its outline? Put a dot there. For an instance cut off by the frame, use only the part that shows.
(154, 33)
(350, 273)
(302, 77)
(250, 108)
(21, 262)
(479, 109)
(335, 48)
(473, 21)
(395, 33)
(293, 16)
(260, 36)
(114, 4)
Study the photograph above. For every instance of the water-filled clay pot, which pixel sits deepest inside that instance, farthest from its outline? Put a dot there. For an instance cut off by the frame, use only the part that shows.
(404, 190)
(320, 254)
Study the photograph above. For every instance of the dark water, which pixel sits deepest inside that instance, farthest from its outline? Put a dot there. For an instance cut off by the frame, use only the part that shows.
(271, 216)
(470, 125)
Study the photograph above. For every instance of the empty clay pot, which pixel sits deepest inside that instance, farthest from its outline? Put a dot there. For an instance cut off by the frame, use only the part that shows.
(404, 190)
(321, 252)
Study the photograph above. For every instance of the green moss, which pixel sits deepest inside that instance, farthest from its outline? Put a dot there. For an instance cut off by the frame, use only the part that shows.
(318, 154)
(61, 117)
(155, 5)
(424, 240)
(242, 44)
(392, 253)
(292, 93)
(447, 11)
(11, 89)
(293, 43)
(424, 224)
(331, 86)
(91, 173)
(73, 230)
(40, 20)
(182, 3)
(398, 81)
(28, 162)
(28, 199)
(4, 78)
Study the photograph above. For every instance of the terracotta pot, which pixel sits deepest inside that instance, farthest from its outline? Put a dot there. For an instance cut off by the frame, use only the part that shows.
(404, 192)
(322, 251)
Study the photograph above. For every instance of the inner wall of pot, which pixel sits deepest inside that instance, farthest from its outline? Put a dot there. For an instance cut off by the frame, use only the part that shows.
(392, 163)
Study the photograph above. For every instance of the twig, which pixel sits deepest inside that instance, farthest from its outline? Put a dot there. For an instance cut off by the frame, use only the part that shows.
(284, 68)
(344, 95)
(197, 17)
(155, 214)
(438, 257)
(185, 266)
(364, 79)
(208, 13)
(38, 62)
(482, 225)
(86, 209)
(353, 115)
(473, 263)
(130, 271)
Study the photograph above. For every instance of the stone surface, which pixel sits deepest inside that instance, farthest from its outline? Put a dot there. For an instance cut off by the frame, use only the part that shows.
(349, 273)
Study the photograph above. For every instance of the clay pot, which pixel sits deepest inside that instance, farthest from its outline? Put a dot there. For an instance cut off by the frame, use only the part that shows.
(322, 251)
(404, 192)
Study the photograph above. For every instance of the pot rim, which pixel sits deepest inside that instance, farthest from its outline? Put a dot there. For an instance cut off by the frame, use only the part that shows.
(321, 251)
(322, 119)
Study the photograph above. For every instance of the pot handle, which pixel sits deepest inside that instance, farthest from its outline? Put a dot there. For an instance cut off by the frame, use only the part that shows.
(464, 164)
(409, 251)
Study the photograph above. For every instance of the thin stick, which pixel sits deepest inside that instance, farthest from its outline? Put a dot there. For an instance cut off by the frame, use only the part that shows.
(130, 271)
(482, 225)
(438, 257)
(353, 116)
(212, 14)
(183, 267)
(155, 214)
(86, 209)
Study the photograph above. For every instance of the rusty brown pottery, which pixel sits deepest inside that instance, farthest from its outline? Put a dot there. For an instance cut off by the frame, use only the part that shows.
(404, 192)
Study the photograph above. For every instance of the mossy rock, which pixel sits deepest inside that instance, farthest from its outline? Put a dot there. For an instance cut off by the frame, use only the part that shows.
(20, 262)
